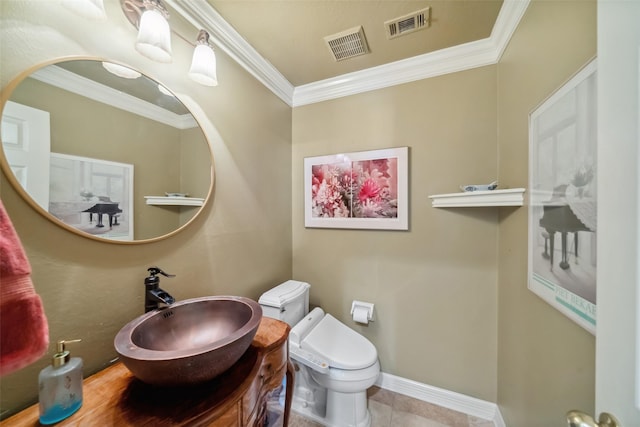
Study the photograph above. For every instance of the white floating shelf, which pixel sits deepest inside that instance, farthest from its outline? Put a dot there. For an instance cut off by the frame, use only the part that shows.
(508, 197)
(174, 201)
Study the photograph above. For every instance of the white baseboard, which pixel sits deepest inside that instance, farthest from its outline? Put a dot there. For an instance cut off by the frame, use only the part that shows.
(441, 397)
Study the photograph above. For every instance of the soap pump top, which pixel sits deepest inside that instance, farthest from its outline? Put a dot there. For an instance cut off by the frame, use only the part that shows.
(62, 355)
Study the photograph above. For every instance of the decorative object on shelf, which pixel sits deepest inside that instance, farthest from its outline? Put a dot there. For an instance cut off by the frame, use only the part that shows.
(479, 187)
(176, 194)
(562, 180)
(364, 190)
(471, 199)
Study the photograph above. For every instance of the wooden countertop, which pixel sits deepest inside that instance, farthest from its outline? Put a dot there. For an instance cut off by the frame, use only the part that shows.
(113, 397)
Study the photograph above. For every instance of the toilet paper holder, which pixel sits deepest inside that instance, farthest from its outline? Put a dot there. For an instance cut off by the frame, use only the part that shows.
(359, 306)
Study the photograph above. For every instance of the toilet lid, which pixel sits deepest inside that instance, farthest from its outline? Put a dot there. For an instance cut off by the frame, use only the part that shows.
(340, 345)
(283, 294)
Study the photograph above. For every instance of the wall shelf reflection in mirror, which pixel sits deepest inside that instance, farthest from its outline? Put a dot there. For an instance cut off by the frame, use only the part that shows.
(173, 201)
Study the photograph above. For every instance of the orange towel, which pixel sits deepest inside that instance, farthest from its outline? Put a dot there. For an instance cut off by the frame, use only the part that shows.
(24, 332)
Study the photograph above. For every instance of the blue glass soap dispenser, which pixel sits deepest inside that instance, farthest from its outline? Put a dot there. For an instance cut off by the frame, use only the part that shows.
(60, 386)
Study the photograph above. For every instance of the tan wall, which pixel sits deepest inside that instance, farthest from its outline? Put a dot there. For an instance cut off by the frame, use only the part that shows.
(195, 169)
(239, 245)
(435, 285)
(545, 361)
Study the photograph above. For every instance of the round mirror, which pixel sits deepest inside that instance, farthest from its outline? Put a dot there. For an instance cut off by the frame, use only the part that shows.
(104, 151)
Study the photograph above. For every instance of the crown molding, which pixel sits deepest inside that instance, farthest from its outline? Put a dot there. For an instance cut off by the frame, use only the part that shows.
(508, 20)
(202, 16)
(82, 86)
(445, 61)
(458, 58)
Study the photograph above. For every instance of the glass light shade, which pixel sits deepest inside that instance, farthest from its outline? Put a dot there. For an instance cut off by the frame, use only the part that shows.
(203, 66)
(121, 70)
(91, 9)
(154, 36)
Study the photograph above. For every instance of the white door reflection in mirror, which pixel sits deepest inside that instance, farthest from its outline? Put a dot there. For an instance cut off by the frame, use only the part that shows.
(26, 140)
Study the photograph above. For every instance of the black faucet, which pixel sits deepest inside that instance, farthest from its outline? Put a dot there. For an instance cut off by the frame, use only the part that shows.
(153, 295)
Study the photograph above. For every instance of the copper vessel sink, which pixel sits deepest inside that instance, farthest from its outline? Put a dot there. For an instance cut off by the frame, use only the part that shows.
(189, 342)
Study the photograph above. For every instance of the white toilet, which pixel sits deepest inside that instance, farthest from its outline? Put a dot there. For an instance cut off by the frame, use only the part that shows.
(334, 364)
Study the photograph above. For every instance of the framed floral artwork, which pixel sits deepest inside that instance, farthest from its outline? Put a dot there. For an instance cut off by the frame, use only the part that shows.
(363, 190)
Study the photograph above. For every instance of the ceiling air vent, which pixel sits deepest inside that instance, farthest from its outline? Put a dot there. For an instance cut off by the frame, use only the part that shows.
(406, 24)
(347, 44)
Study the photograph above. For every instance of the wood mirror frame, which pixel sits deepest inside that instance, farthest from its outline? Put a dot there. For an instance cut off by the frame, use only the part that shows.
(187, 160)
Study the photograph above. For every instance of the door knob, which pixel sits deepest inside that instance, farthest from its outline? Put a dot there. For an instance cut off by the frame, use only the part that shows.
(580, 419)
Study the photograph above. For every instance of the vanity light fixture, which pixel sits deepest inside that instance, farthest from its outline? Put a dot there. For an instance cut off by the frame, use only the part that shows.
(154, 34)
(203, 64)
(121, 70)
(154, 39)
(90, 9)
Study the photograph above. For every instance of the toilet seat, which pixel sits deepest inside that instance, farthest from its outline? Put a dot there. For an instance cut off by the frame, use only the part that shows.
(341, 346)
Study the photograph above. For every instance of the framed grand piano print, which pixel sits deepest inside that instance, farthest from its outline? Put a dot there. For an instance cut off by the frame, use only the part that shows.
(562, 209)
(92, 195)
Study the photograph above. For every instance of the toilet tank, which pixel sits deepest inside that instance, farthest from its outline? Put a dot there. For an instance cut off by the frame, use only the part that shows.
(289, 302)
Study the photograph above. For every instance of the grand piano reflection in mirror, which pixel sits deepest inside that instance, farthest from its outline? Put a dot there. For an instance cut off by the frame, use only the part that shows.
(92, 195)
(103, 126)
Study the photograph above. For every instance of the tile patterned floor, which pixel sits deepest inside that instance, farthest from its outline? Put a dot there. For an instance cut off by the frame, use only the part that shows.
(389, 409)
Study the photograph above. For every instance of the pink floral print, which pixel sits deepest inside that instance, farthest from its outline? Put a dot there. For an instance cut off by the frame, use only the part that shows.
(359, 189)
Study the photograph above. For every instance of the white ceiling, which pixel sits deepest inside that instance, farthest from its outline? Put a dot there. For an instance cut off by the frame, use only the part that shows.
(281, 42)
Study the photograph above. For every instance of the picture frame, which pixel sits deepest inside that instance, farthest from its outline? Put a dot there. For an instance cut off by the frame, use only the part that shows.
(357, 190)
(92, 195)
(563, 189)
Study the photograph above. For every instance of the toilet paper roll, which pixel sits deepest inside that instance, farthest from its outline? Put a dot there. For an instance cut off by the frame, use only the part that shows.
(361, 315)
